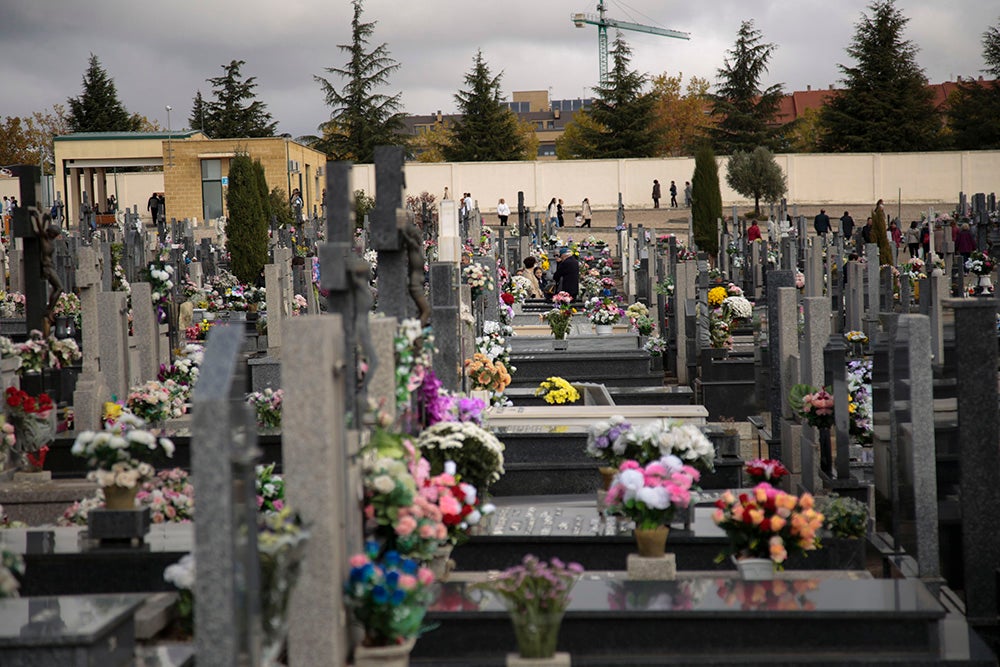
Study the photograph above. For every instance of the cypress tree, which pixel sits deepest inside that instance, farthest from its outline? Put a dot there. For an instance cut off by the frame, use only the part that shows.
(487, 131)
(246, 231)
(98, 108)
(706, 200)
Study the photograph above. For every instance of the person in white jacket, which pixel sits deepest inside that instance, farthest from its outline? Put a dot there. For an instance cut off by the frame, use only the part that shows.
(503, 212)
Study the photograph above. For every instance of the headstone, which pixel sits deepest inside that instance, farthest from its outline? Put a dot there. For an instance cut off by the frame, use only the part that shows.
(35, 288)
(322, 483)
(979, 456)
(112, 313)
(223, 453)
(393, 267)
(816, 312)
(277, 307)
(835, 371)
(382, 382)
(776, 399)
(814, 268)
(91, 390)
(146, 328)
(445, 319)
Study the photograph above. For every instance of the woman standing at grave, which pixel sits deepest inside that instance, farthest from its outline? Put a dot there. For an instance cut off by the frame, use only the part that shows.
(965, 244)
(503, 212)
(753, 231)
(586, 212)
(552, 212)
(913, 239)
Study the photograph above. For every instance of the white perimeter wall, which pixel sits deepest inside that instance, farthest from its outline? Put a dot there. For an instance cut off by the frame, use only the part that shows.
(855, 178)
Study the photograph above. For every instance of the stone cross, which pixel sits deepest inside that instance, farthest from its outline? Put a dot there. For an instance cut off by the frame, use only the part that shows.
(322, 474)
(223, 453)
(146, 327)
(393, 267)
(35, 289)
(91, 390)
(112, 313)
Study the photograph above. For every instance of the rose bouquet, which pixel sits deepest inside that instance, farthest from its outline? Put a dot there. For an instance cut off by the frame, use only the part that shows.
(650, 495)
(765, 470)
(913, 269)
(388, 596)
(459, 503)
(603, 310)
(477, 278)
(34, 353)
(34, 424)
(767, 523)
(267, 407)
(155, 401)
(980, 263)
(656, 346)
(269, 488)
(557, 391)
(169, 496)
(559, 317)
(401, 519)
(487, 374)
(116, 453)
(477, 453)
(812, 404)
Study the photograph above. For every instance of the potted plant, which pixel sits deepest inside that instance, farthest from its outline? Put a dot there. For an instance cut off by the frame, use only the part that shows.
(845, 524)
(656, 346)
(536, 593)
(115, 458)
(603, 313)
(557, 391)
(764, 527)
(154, 402)
(388, 596)
(267, 407)
(765, 470)
(650, 496)
(982, 265)
(560, 315)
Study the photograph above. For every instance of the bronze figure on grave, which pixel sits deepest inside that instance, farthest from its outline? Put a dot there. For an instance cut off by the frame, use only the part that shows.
(47, 233)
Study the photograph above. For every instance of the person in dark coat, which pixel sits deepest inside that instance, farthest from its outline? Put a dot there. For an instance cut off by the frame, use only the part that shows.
(656, 193)
(847, 227)
(965, 243)
(822, 223)
(567, 275)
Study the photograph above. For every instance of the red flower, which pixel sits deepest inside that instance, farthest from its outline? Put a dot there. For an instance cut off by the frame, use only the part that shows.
(507, 298)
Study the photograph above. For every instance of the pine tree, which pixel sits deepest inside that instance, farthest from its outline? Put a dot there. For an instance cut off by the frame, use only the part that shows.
(487, 131)
(235, 112)
(706, 200)
(364, 118)
(98, 108)
(756, 174)
(972, 116)
(744, 110)
(624, 122)
(885, 104)
(247, 229)
(196, 121)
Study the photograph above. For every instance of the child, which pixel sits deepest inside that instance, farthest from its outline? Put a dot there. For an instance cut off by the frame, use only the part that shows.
(579, 219)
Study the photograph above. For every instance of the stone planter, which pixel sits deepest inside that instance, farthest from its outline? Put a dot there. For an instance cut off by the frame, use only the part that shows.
(384, 656)
(604, 329)
(755, 569)
(120, 497)
(652, 542)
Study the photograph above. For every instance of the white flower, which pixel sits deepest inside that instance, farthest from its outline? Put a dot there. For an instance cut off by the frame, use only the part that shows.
(450, 468)
(655, 497)
(631, 479)
(181, 574)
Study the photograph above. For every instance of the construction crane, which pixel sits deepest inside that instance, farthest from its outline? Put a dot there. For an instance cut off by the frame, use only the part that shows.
(603, 22)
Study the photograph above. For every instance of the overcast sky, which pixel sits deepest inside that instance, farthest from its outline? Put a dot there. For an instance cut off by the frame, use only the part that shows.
(160, 53)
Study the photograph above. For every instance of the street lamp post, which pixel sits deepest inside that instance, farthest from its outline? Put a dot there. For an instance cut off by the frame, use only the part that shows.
(170, 136)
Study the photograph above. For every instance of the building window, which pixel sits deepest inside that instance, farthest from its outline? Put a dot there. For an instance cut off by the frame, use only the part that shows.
(211, 189)
(546, 150)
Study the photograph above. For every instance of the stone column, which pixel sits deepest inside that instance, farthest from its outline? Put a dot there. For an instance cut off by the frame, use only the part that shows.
(776, 399)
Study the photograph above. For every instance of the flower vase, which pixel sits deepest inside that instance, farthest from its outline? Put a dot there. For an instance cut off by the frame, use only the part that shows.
(607, 476)
(537, 633)
(439, 563)
(280, 565)
(397, 655)
(755, 569)
(560, 343)
(120, 497)
(604, 329)
(652, 542)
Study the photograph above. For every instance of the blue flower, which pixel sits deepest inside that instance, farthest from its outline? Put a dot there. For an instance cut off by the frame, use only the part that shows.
(410, 566)
(391, 559)
(371, 549)
(392, 579)
(398, 597)
(380, 595)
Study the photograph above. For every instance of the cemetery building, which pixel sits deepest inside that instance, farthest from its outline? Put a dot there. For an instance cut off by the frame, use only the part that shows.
(188, 167)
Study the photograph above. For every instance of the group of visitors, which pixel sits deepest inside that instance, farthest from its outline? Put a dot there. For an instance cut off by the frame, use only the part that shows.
(565, 278)
(673, 194)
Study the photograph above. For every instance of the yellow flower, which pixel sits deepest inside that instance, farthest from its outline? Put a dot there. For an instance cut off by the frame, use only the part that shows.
(716, 296)
(112, 410)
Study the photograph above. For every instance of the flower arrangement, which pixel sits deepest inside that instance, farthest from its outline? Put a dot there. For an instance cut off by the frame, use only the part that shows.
(269, 489)
(519, 288)
(800, 280)
(656, 439)
(476, 277)
(650, 495)
(859, 407)
(181, 575)
(63, 352)
(403, 520)
(812, 404)
(913, 269)
(115, 454)
(535, 592)
(68, 305)
(737, 308)
(843, 516)
(414, 346)
(603, 440)
(559, 317)
(767, 523)
(603, 310)
(155, 401)
(267, 407)
(856, 337)
(161, 282)
(765, 470)
(656, 346)
(389, 597)
(644, 325)
(980, 263)
(636, 310)
(557, 391)
(487, 374)
(458, 502)
(719, 328)
(33, 422)
(716, 296)
(12, 304)
(665, 287)
(34, 353)
(169, 496)
(477, 453)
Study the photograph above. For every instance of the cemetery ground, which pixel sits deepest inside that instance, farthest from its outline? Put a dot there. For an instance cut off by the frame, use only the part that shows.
(282, 512)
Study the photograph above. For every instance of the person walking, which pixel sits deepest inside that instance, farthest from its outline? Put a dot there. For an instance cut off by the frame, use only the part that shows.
(847, 227)
(965, 244)
(822, 223)
(687, 194)
(586, 212)
(503, 212)
(552, 212)
(153, 206)
(656, 193)
(673, 195)
(912, 239)
(559, 214)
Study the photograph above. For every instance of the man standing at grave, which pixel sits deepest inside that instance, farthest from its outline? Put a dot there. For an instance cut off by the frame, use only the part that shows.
(656, 193)
(153, 206)
(673, 195)
(468, 205)
(687, 194)
(503, 212)
(567, 275)
(822, 223)
(847, 227)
